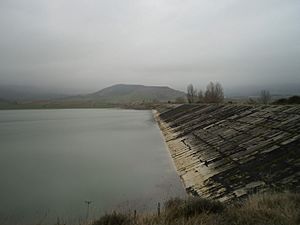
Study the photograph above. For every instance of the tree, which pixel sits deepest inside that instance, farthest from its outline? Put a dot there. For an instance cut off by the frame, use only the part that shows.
(191, 93)
(265, 97)
(200, 96)
(214, 93)
(219, 96)
(209, 93)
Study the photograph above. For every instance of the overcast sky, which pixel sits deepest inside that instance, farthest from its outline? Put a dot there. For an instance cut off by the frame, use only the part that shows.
(89, 44)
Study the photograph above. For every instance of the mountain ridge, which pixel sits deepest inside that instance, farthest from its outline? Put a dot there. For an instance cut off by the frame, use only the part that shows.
(129, 93)
(119, 95)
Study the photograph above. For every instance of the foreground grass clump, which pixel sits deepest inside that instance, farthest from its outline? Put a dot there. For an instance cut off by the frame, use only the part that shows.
(178, 208)
(261, 209)
(266, 209)
(114, 218)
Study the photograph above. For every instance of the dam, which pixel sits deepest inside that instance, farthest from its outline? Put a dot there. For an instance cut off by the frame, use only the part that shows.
(225, 152)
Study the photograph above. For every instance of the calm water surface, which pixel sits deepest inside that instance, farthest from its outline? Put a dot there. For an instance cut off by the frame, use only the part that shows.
(52, 161)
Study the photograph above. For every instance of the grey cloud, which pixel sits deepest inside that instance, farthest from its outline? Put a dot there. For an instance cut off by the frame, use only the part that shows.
(90, 44)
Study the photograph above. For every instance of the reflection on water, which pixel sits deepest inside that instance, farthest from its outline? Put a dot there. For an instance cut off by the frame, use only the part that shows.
(52, 161)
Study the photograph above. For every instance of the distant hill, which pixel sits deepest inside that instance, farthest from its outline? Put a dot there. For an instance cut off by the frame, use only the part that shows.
(4, 104)
(27, 93)
(120, 95)
(276, 90)
(130, 93)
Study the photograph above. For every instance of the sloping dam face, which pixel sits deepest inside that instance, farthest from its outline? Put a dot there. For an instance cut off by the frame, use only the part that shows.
(225, 152)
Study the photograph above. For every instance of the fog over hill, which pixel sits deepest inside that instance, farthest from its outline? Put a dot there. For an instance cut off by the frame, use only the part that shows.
(128, 93)
(89, 45)
(116, 95)
(28, 93)
(254, 90)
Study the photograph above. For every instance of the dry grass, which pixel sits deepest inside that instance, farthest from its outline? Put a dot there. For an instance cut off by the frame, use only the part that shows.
(261, 209)
(266, 209)
(114, 218)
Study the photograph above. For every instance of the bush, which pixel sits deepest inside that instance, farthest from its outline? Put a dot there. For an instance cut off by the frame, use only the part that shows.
(113, 219)
(198, 205)
(176, 208)
(291, 100)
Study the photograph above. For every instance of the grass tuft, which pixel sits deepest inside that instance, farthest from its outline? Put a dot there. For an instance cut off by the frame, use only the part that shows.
(176, 208)
(266, 209)
(113, 219)
(260, 209)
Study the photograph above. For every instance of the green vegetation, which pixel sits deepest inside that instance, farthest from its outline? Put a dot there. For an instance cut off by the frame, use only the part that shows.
(114, 219)
(291, 100)
(54, 105)
(7, 104)
(260, 209)
(265, 98)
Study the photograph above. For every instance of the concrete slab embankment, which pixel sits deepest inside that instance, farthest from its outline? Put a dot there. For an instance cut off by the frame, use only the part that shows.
(228, 151)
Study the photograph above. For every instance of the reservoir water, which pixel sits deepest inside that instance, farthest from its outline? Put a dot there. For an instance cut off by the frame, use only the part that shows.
(52, 161)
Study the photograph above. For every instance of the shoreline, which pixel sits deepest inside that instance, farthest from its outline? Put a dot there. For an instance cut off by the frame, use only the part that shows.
(186, 166)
